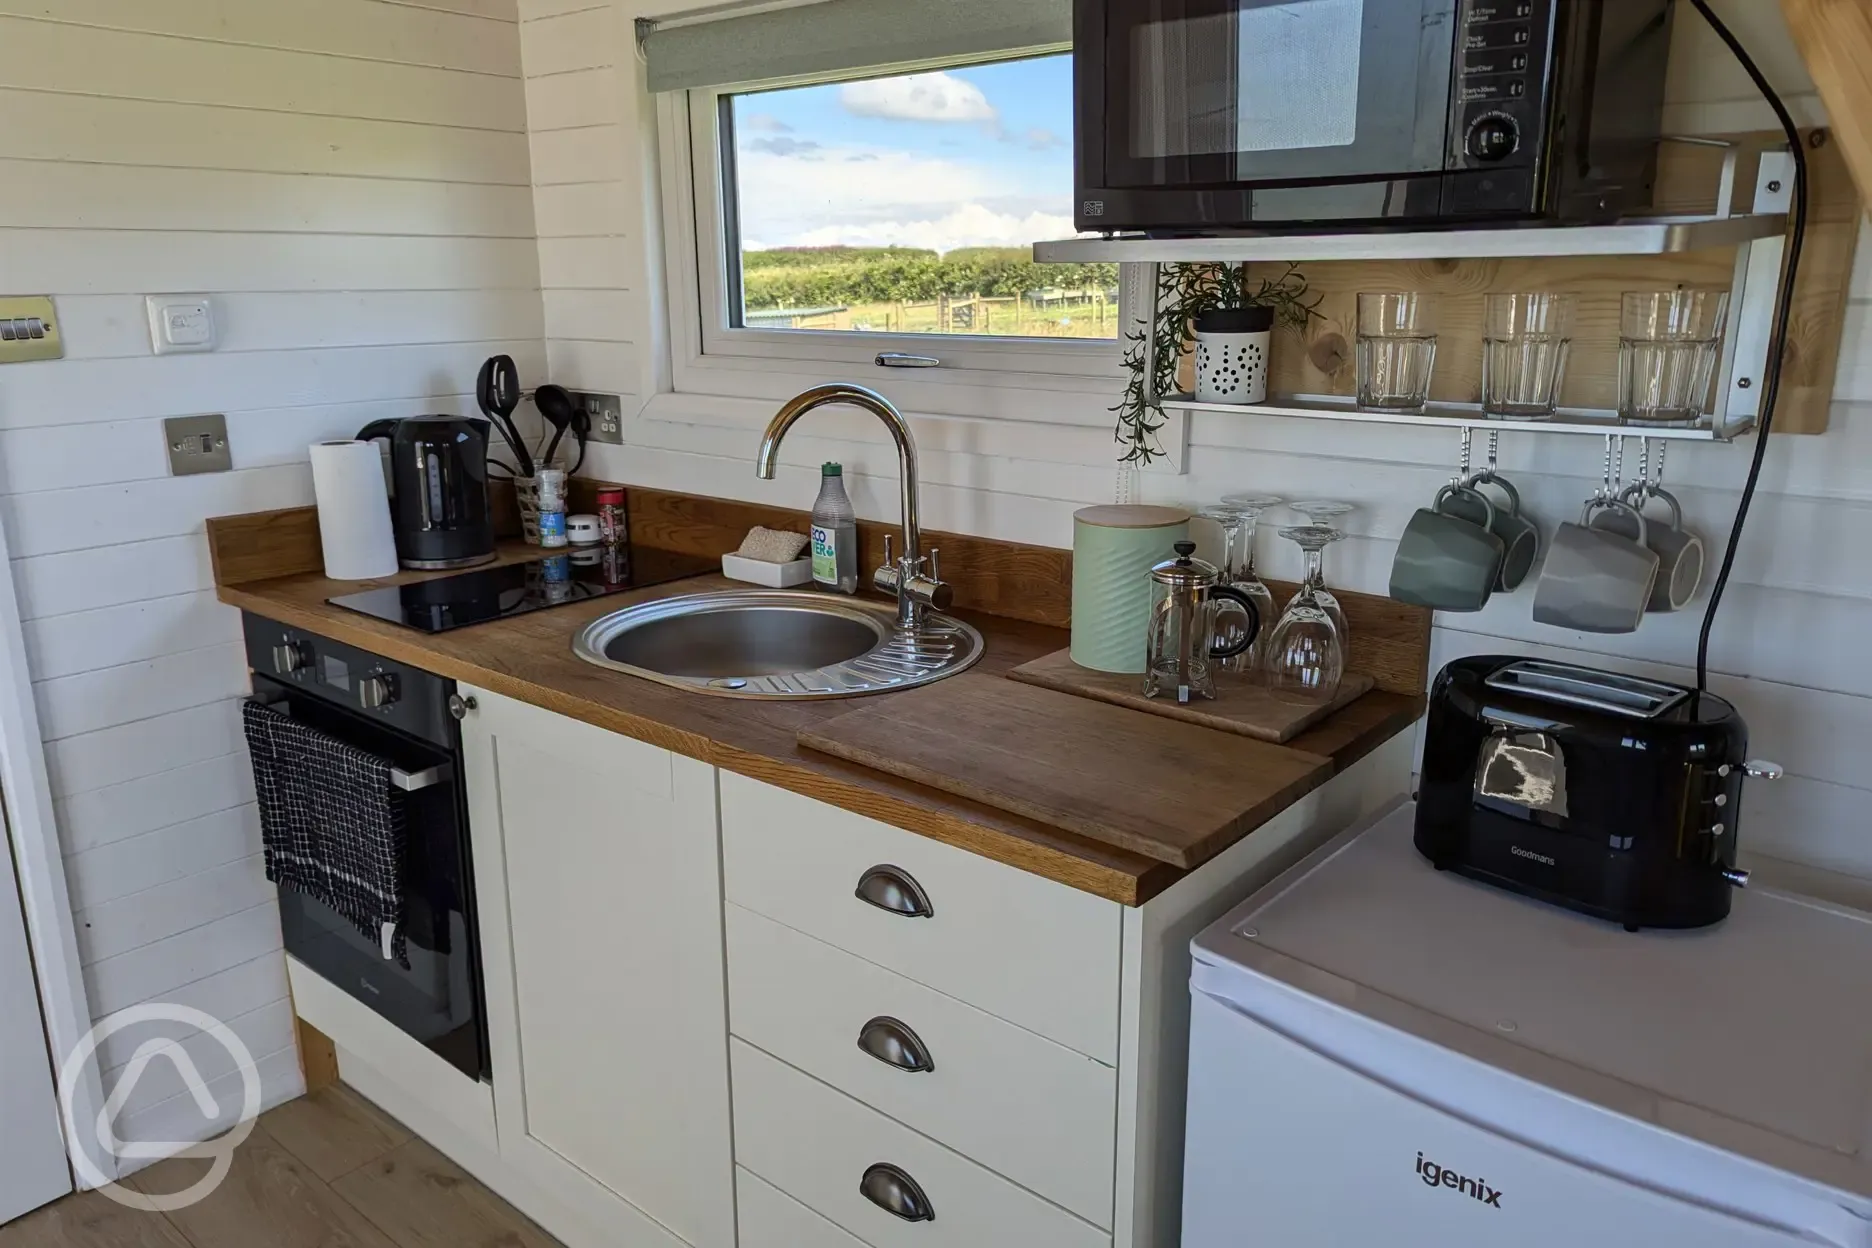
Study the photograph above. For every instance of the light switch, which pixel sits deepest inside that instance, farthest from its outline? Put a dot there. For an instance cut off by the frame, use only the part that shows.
(28, 331)
(197, 444)
(181, 323)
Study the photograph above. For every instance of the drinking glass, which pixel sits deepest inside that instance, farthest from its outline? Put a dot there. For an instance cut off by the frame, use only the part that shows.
(1525, 342)
(1233, 522)
(1248, 507)
(1304, 657)
(1322, 512)
(1669, 341)
(1396, 351)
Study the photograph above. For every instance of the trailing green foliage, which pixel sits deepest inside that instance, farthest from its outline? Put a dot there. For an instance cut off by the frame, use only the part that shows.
(810, 277)
(1184, 291)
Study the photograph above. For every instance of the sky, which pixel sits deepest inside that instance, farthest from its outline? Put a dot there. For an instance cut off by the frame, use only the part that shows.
(978, 157)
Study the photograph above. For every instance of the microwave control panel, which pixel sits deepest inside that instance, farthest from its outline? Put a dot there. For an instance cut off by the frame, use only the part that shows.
(1502, 55)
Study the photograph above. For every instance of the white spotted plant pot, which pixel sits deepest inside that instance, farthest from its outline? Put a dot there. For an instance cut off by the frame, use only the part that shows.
(1232, 355)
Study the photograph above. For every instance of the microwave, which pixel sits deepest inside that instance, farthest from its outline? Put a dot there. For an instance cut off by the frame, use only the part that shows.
(1202, 116)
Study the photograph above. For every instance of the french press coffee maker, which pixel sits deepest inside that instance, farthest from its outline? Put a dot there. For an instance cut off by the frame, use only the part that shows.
(1187, 603)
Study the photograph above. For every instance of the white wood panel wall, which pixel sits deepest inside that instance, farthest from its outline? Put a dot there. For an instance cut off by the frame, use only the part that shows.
(1790, 644)
(351, 180)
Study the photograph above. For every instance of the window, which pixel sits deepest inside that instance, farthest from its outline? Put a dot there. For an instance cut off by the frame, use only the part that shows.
(851, 183)
(908, 204)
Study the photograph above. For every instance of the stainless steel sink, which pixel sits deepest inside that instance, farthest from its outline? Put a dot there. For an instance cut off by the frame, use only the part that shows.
(778, 644)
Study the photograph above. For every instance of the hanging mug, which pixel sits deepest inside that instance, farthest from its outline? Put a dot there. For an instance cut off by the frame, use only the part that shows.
(1598, 579)
(1679, 551)
(1449, 558)
(1520, 536)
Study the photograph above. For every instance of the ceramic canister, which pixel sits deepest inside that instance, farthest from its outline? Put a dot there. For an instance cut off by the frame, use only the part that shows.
(1114, 549)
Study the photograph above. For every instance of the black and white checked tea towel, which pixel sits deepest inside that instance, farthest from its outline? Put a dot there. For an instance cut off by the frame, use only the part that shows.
(331, 822)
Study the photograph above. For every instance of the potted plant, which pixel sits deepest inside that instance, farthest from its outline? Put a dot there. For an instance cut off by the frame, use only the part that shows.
(1184, 293)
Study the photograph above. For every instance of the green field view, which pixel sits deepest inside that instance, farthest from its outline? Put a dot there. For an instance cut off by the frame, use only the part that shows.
(975, 290)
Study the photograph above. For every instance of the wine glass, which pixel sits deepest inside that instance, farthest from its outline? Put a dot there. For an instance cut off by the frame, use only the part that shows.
(1243, 577)
(1235, 522)
(1322, 512)
(1304, 658)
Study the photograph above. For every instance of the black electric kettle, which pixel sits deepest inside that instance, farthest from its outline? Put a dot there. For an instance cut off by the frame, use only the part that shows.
(438, 489)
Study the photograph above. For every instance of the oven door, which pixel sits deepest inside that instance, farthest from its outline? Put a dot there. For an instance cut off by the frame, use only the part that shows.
(437, 999)
(1213, 95)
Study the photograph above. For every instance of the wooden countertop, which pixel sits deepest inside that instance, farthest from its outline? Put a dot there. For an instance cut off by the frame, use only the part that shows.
(530, 658)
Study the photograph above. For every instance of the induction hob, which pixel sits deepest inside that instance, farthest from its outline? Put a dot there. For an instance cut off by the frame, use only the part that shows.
(509, 589)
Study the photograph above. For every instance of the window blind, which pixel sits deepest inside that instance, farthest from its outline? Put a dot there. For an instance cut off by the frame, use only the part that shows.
(836, 36)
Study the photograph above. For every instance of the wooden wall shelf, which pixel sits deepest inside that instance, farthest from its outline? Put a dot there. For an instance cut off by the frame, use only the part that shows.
(1723, 203)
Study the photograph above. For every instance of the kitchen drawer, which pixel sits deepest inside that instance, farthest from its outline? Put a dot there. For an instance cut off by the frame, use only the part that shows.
(769, 1218)
(1026, 949)
(1018, 1103)
(816, 1144)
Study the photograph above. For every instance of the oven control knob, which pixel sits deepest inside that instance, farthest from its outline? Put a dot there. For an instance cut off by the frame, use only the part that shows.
(291, 656)
(376, 692)
(1492, 138)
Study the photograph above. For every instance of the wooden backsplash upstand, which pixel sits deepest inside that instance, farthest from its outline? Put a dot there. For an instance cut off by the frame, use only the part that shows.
(1321, 361)
(1390, 640)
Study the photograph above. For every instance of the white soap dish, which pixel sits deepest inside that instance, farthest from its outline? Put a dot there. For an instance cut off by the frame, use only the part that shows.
(761, 572)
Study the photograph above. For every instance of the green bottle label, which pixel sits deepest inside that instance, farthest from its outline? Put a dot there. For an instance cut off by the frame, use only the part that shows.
(824, 556)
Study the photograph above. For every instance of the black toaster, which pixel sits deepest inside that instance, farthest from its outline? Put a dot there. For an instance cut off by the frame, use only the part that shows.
(1608, 794)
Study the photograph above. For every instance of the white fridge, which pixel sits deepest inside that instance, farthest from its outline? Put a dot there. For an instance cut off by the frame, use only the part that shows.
(1384, 1054)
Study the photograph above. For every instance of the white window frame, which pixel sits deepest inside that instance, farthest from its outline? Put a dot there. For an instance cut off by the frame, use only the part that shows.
(1047, 380)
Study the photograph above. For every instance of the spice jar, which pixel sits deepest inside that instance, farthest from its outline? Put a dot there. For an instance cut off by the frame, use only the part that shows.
(613, 526)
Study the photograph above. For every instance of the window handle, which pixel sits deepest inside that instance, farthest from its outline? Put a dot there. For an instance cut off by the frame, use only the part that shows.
(903, 359)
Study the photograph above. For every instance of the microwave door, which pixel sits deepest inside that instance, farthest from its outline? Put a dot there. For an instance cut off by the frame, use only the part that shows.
(1221, 92)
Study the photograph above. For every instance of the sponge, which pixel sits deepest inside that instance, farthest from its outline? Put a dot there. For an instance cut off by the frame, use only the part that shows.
(772, 545)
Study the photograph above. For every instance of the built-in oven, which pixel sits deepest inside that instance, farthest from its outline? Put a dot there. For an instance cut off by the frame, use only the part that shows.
(408, 717)
(1212, 115)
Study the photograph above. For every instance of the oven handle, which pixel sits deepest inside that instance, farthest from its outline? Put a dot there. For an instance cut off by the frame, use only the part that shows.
(412, 781)
(408, 781)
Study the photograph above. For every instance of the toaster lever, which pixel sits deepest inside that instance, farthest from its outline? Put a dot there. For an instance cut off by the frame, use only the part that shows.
(1761, 769)
(1737, 876)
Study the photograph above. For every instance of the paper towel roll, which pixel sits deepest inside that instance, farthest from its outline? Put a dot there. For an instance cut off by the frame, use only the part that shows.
(354, 510)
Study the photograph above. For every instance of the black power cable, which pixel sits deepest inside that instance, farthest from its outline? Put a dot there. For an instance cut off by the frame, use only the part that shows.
(1777, 345)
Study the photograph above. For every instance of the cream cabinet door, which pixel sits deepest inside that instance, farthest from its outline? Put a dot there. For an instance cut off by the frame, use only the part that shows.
(33, 1170)
(597, 864)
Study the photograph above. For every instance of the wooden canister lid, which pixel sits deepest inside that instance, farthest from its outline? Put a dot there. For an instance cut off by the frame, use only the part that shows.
(1131, 516)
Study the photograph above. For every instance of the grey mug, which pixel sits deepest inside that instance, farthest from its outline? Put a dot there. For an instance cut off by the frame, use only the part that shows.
(1520, 536)
(1446, 561)
(1596, 580)
(1679, 551)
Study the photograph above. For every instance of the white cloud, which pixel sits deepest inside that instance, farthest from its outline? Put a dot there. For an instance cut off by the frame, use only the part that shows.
(766, 123)
(918, 97)
(970, 225)
(879, 197)
(846, 182)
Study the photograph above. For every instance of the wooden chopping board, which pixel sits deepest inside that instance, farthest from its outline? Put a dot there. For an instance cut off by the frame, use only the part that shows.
(1170, 790)
(1240, 708)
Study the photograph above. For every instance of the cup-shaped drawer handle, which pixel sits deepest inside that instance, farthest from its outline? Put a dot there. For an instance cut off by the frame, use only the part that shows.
(894, 1044)
(891, 888)
(895, 1192)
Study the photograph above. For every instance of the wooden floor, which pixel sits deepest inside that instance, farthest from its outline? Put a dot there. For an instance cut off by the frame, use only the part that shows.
(326, 1171)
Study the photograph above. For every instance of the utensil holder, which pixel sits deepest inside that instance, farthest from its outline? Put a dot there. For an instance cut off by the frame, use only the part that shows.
(526, 496)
